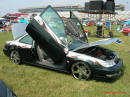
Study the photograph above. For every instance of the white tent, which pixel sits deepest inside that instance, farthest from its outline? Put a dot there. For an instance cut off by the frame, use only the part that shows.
(2, 18)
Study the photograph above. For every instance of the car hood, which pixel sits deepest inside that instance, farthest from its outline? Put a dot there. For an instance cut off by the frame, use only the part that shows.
(100, 42)
(18, 29)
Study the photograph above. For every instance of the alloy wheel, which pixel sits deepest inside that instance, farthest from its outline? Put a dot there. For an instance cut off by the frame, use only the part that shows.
(15, 57)
(81, 71)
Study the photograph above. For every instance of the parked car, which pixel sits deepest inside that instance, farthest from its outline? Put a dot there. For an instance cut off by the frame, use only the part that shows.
(5, 91)
(63, 47)
(126, 30)
(1, 24)
(91, 23)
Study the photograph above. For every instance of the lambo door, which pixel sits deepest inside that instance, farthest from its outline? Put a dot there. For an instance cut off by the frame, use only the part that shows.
(75, 28)
(48, 31)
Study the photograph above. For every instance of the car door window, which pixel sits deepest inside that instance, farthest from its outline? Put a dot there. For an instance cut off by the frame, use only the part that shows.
(55, 22)
(27, 40)
(79, 25)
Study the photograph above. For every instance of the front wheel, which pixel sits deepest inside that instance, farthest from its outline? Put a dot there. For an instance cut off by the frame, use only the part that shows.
(15, 57)
(81, 71)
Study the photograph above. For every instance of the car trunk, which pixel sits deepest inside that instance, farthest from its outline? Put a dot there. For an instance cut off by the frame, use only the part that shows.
(98, 52)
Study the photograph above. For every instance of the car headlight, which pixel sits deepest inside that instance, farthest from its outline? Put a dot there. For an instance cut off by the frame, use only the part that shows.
(108, 64)
(105, 63)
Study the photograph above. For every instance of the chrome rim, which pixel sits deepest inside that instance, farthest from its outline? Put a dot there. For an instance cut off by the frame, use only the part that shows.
(15, 58)
(81, 71)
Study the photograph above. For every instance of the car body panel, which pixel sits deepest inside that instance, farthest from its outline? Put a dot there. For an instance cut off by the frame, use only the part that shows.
(24, 49)
(126, 30)
(110, 72)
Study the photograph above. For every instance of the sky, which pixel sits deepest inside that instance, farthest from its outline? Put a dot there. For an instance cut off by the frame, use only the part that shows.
(11, 6)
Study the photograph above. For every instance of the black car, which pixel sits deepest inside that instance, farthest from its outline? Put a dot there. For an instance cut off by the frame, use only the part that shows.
(5, 91)
(1, 24)
(62, 45)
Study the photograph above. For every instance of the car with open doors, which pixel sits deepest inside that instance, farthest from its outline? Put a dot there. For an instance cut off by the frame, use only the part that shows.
(61, 45)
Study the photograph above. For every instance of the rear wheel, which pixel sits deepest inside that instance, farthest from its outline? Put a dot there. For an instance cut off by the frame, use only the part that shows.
(81, 71)
(15, 57)
(129, 34)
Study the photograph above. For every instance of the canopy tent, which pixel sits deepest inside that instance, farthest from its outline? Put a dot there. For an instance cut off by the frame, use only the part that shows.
(17, 14)
(2, 18)
(127, 22)
(23, 21)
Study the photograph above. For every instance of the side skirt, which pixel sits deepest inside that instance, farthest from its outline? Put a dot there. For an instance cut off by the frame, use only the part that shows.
(56, 67)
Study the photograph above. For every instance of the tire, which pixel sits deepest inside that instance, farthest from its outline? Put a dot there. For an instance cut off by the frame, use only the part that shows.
(15, 57)
(129, 34)
(81, 71)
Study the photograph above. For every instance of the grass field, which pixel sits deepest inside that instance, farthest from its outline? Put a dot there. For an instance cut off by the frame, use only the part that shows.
(29, 81)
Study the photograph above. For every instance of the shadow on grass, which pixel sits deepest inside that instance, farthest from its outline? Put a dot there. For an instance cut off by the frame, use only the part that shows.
(47, 68)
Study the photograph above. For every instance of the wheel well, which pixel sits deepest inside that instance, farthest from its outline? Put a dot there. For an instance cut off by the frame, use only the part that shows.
(12, 49)
(76, 62)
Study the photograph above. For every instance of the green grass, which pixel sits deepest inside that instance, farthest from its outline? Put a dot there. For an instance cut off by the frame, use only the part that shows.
(29, 81)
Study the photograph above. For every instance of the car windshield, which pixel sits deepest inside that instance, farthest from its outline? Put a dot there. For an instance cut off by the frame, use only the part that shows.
(74, 42)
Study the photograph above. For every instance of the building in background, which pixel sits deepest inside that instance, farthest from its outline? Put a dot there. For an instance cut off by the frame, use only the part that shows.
(64, 11)
(57, 8)
(118, 7)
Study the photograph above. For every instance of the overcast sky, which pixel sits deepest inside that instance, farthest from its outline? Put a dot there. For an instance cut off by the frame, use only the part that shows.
(11, 6)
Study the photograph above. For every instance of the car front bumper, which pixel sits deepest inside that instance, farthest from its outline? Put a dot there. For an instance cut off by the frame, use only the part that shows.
(110, 72)
(126, 32)
(6, 51)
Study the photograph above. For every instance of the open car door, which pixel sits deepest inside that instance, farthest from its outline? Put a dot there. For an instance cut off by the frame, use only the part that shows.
(75, 28)
(48, 31)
